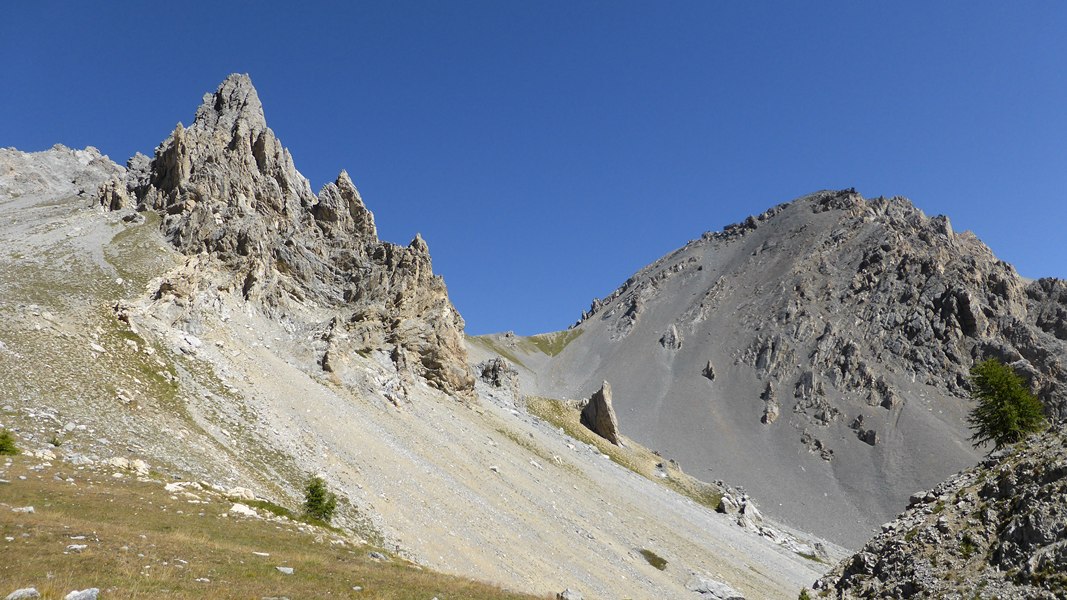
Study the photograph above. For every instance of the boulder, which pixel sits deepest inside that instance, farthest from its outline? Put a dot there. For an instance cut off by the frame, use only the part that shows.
(569, 594)
(709, 589)
(709, 371)
(23, 594)
(599, 415)
(671, 340)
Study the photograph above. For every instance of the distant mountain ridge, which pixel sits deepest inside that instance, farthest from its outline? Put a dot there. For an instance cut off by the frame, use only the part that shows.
(837, 332)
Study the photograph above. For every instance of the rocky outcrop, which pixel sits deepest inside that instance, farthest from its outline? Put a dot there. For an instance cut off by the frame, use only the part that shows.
(999, 528)
(599, 415)
(499, 374)
(225, 187)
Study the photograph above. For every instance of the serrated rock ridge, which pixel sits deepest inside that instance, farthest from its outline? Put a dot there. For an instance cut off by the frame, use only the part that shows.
(225, 186)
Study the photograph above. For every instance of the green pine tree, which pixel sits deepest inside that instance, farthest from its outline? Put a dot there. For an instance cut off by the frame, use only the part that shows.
(319, 503)
(1007, 412)
(7, 443)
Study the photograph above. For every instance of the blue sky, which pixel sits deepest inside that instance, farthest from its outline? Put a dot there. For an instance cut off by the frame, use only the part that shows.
(548, 150)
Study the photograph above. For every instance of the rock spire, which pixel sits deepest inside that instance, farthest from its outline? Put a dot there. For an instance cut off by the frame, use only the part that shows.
(225, 186)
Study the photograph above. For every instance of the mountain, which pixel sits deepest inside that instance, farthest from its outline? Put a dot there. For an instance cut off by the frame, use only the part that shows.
(203, 315)
(226, 187)
(816, 354)
(997, 530)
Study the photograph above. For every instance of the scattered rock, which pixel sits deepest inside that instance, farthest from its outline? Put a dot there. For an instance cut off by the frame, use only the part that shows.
(89, 594)
(709, 589)
(243, 510)
(24, 594)
(76, 548)
(671, 340)
(378, 556)
(285, 570)
(23, 509)
(709, 371)
(569, 594)
(240, 493)
(1001, 523)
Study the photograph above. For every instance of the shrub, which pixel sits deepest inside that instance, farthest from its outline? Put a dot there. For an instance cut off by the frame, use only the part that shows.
(7, 443)
(1007, 412)
(654, 559)
(319, 503)
(804, 595)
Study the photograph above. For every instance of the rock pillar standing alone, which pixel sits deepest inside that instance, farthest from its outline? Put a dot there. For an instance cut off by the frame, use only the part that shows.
(599, 415)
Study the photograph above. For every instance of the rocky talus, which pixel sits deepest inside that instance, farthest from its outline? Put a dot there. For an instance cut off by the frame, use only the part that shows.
(229, 196)
(998, 530)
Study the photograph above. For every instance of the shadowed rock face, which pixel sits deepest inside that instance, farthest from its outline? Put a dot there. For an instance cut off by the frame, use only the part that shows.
(225, 186)
(814, 314)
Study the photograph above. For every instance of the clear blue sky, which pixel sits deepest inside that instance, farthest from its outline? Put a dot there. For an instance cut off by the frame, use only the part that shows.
(547, 150)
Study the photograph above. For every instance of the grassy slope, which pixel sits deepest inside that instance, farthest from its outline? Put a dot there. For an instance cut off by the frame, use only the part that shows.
(145, 543)
(549, 344)
(633, 456)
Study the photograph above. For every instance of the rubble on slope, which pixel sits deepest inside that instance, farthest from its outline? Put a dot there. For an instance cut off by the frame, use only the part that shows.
(998, 529)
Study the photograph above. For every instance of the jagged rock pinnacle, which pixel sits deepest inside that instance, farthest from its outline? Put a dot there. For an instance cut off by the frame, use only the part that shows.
(234, 106)
(227, 187)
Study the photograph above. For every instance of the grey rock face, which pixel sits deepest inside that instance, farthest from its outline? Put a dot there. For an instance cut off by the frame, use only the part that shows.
(225, 186)
(599, 415)
(1002, 523)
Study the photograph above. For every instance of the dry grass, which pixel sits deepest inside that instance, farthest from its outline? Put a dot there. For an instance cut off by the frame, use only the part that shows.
(633, 456)
(144, 543)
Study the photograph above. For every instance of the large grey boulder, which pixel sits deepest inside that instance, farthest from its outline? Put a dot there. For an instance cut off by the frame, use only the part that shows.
(23, 594)
(599, 415)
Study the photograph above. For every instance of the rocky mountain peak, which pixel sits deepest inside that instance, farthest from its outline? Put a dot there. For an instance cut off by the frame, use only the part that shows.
(225, 186)
(233, 108)
(815, 313)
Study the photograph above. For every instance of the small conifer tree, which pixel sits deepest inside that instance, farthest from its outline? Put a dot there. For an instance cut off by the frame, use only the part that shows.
(1007, 412)
(319, 503)
(7, 443)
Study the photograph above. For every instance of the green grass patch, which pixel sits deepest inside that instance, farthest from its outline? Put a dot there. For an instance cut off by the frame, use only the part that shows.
(554, 343)
(488, 343)
(141, 543)
(811, 557)
(633, 456)
(7, 444)
(654, 559)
